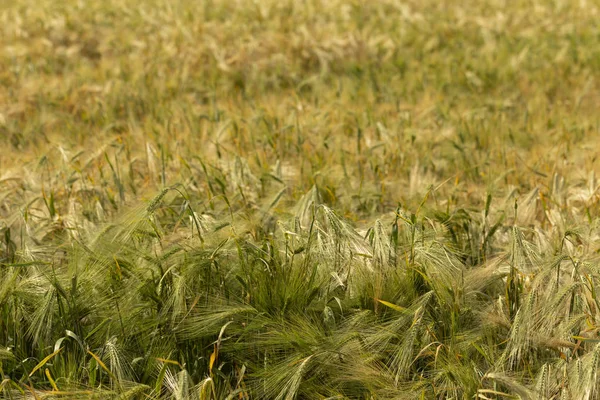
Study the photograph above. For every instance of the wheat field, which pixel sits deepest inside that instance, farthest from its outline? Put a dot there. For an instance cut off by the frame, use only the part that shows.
(312, 199)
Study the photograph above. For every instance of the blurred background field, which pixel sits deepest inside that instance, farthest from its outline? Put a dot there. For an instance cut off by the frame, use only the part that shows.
(299, 199)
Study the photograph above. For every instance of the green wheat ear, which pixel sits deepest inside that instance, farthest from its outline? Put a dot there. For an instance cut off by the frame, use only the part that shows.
(156, 201)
